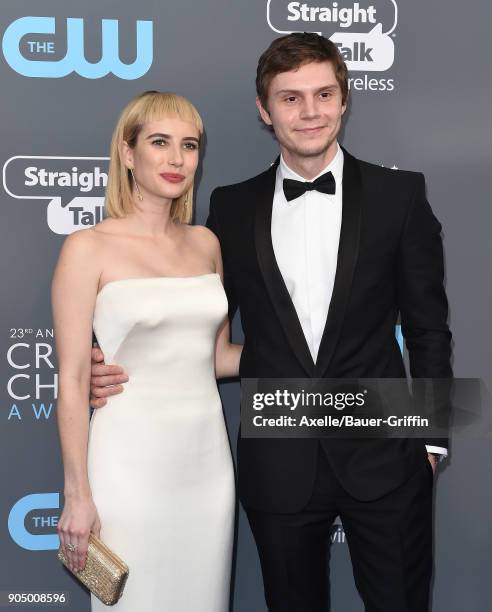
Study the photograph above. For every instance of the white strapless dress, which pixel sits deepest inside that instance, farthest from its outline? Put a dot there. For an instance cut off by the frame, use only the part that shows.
(159, 459)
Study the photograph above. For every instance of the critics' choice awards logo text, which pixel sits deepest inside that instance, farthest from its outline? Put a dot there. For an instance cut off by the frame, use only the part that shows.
(362, 31)
(44, 47)
(73, 186)
(32, 384)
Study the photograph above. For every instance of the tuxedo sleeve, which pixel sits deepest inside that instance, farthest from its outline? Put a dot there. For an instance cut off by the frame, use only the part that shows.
(213, 224)
(424, 308)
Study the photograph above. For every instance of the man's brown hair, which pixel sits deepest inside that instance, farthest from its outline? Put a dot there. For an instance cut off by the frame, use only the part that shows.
(294, 50)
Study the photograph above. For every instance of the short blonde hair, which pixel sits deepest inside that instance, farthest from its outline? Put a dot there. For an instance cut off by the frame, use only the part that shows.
(149, 106)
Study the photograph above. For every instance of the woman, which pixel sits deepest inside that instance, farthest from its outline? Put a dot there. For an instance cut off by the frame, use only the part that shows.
(151, 474)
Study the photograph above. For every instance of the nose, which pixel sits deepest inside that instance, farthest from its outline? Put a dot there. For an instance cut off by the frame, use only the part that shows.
(175, 156)
(309, 109)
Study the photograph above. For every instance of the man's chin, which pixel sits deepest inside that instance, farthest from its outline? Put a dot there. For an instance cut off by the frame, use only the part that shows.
(313, 150)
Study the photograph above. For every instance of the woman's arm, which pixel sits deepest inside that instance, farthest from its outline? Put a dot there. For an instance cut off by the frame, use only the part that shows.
(74, 291)
(227, 355)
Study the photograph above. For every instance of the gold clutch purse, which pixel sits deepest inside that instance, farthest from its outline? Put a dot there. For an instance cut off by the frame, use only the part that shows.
(104, 574)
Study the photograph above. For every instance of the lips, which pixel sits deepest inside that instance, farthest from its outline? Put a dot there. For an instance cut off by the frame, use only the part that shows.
(311, 129)
(172, 178)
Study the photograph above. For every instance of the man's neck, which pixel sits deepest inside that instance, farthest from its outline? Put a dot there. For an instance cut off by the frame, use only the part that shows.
(309, 167)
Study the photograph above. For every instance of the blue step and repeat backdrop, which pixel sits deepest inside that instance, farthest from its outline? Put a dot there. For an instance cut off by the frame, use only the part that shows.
(420, 100)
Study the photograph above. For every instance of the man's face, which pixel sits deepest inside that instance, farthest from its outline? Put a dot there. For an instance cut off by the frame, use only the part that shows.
(305, 109)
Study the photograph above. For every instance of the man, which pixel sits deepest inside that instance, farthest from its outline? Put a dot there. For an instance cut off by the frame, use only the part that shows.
(321, 253)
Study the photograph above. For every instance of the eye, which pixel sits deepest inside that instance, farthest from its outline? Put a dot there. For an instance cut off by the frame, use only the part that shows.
(326, 94)
(290, 99)
(190, 146)
(159, 142)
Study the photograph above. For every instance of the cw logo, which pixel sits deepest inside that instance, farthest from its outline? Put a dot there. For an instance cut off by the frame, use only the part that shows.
(74, 60)
(17, 517)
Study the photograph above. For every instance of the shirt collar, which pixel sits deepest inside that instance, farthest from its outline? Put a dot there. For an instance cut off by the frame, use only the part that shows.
(335, 167)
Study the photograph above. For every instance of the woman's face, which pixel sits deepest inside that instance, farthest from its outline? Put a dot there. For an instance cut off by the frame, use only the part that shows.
(165, 157)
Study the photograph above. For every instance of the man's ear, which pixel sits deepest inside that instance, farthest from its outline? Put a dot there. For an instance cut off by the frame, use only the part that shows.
(264, 114)
(344, 106)
(126, 153)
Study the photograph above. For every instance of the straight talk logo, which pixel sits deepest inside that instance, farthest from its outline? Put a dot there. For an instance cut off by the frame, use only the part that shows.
(345, 17)
(362, 31)
(72, 186)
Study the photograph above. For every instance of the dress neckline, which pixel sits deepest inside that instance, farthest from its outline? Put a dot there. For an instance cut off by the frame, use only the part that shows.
(153, 278)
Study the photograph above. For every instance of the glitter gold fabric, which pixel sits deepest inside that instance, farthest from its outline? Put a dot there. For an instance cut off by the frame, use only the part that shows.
(104, 574)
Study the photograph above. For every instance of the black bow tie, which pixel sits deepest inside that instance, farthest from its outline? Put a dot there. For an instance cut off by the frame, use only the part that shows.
(324, 183)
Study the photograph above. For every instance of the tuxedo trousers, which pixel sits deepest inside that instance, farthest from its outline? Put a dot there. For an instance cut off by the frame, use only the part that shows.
(389, 540)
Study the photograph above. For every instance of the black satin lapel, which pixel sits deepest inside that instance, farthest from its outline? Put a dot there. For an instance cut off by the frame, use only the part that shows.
(348, 250)
(272, 276)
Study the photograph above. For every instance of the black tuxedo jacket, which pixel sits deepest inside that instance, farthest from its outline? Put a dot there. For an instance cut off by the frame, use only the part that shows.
(390, 261)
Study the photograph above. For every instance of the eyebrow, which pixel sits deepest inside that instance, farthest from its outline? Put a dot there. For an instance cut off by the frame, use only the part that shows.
(296, 91)
(161, 135)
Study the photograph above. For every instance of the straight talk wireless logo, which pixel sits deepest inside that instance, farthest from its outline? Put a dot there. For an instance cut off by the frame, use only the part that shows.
(364, 33)
(72, 186)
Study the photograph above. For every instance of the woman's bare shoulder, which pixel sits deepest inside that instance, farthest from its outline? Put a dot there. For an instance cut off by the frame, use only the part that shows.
(102, 235)
(79, 260)
(203, 236)
(110, 227)
(81, 240)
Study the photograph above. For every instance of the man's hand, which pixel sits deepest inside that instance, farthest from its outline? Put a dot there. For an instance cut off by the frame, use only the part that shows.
(433, 461)
(106, 380)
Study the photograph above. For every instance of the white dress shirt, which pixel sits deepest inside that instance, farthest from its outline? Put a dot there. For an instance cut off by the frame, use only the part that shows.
(305, 237)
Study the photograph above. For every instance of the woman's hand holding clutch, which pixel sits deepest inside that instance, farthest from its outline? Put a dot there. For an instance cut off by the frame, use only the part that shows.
(78, 519)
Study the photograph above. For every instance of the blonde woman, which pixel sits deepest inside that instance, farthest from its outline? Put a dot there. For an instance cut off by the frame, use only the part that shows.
(151, 473)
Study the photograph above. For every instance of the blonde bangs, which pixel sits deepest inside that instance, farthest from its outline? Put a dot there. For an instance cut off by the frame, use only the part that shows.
(169, 104)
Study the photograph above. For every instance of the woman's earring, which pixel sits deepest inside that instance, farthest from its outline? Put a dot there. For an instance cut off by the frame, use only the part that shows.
(139, 195)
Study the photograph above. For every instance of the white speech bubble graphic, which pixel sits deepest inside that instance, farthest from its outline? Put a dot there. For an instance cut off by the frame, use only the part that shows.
(375, 45)
(357, 44)
(78, 213)
(63, 217)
